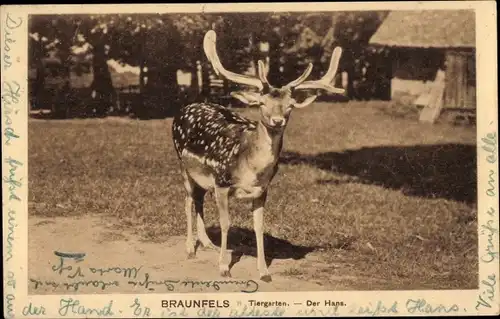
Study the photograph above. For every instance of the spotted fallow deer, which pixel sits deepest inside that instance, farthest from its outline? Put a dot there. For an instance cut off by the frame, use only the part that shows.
(222, 151)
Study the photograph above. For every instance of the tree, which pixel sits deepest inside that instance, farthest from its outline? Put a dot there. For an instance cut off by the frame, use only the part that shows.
(164, 43)
(49, 51)
(61, 32)
(125, 38)
(301, 38)
(353, 31)
(295, 40)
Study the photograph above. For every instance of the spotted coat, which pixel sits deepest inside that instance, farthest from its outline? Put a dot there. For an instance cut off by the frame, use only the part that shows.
(213, 134)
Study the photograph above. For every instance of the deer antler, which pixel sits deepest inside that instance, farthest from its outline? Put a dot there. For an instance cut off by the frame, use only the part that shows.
(211, 53)
(209, 45)
(301, 78)
(325, 82)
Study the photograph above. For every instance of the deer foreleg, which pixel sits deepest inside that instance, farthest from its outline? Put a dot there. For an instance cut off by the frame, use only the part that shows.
(221, 197)
(189, 185)
(258, 221)
(199, 197)
(188, 207)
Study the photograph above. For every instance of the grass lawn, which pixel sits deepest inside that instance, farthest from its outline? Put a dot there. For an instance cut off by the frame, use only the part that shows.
(376, 196)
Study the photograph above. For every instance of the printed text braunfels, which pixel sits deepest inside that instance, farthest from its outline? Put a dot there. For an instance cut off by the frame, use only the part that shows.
(195, 303)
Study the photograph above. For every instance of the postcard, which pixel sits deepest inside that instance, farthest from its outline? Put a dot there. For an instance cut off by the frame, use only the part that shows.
(250, 160)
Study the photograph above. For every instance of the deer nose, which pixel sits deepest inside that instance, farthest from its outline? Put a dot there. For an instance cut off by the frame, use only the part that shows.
(277, 121)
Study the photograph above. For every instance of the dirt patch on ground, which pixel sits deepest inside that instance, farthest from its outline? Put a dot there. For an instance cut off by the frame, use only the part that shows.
(118, 261)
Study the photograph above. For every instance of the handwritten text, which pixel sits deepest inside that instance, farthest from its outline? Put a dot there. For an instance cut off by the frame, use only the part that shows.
(11, 23)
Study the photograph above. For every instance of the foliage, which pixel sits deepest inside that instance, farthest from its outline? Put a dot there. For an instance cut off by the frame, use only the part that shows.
(298, 33)
(168, 42)
(191, 29)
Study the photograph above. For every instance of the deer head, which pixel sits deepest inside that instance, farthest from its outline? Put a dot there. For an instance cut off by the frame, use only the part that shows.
(275, 104)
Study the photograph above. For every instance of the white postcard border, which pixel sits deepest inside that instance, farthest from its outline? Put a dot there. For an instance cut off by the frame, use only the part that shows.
(15, 213)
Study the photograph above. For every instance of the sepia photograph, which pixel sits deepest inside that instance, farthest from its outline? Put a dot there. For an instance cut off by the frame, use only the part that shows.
(241, 160)
(252, 151)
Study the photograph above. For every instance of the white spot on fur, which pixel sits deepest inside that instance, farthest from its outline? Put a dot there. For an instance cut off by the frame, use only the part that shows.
(212, 163)
(187, 153)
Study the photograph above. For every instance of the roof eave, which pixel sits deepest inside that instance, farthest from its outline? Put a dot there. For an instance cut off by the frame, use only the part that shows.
(421, 46)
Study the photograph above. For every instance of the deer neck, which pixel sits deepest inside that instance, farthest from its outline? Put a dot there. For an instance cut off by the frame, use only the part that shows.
(266, 144)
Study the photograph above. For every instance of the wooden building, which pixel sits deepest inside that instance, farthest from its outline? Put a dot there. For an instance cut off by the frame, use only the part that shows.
(430, 49)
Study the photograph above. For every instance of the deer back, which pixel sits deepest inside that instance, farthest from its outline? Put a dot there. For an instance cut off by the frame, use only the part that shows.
(212, 135)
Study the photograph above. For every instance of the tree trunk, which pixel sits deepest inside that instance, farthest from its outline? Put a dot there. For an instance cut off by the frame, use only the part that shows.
(274, 74)
(102, 84)
(350, 69)
(39, 83)
(205, 92)
(62, 100)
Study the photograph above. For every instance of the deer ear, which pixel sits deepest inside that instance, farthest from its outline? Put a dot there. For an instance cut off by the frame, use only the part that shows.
(305, 103)
(249, 98)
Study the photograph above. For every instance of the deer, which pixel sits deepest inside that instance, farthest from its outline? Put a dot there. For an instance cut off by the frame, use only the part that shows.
(225, 153)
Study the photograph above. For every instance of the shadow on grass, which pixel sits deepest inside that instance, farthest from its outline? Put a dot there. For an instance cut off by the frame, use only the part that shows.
(432, 171)
(242, 241)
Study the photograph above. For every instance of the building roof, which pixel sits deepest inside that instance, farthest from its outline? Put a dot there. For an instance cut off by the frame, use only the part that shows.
(427, 29)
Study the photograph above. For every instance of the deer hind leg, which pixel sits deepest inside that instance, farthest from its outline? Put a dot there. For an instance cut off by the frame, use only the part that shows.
(189, 185)
(258, 221)
(221, 197)
(199, 198)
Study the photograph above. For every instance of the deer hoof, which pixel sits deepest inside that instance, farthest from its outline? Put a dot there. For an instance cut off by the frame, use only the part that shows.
(191, 256)
(266, 278)
(225, 273)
